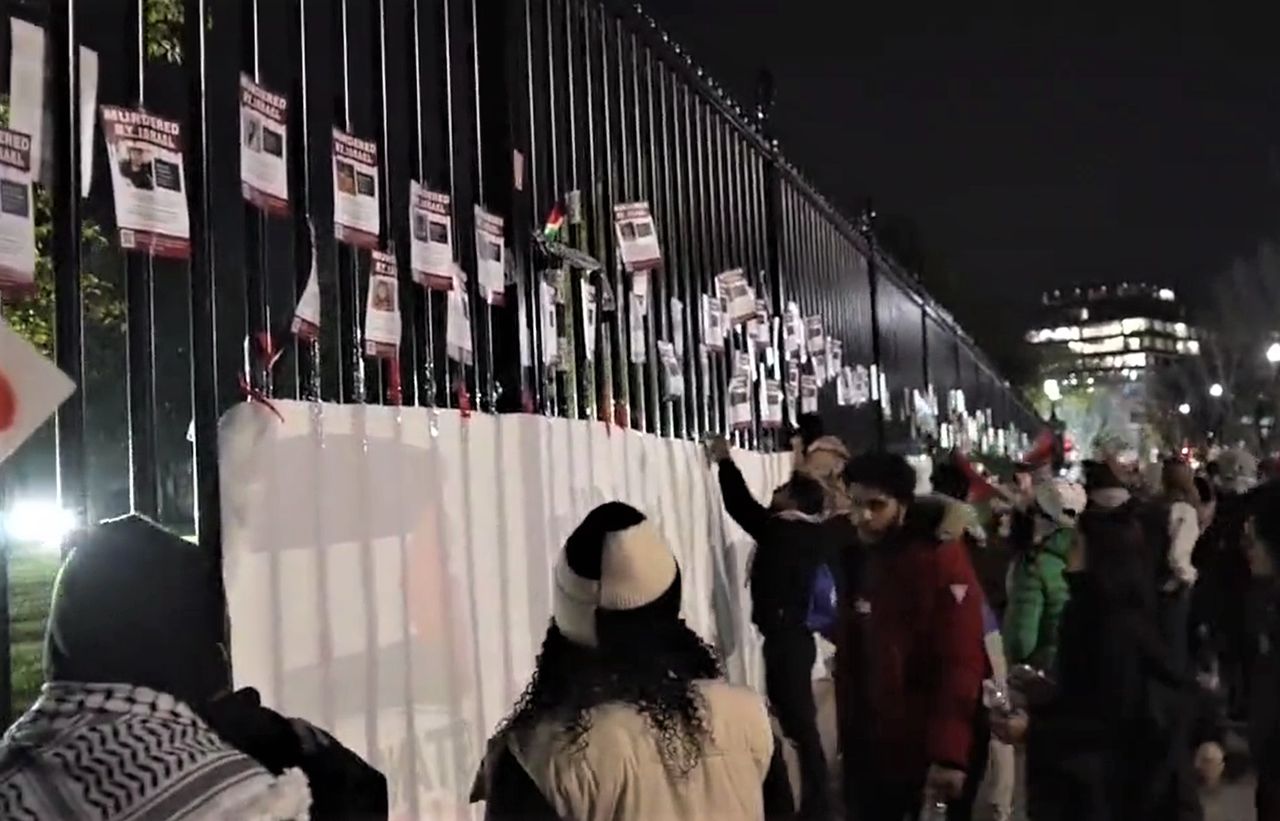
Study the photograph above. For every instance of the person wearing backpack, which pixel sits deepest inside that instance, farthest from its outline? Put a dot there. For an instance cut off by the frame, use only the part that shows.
(793, 585)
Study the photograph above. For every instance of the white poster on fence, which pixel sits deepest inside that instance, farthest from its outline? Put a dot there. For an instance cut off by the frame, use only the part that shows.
(26, 86)
(31, 389)
(457, 341)
(17, 218)
(431, 251)
(264, 147)
(736, 295)
(589, 308)
(394, 586)
(637, 239)
(357, 217)
(382, 308)
(148, 181)
(491, 265)
(88, 105)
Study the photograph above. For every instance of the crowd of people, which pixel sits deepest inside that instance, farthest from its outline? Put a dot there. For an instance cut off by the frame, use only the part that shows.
(1092, 645)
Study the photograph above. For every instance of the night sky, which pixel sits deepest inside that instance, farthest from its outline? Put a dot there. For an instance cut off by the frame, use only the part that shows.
(1031, 147)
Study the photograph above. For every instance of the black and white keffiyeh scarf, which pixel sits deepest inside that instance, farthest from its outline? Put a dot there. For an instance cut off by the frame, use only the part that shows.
(114, 752)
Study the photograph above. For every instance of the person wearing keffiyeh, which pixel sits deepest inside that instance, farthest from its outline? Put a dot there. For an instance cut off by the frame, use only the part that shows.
(138, 719)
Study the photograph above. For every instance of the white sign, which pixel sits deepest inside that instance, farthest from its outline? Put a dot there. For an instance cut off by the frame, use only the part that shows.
(794, 329)
(816, 338)
(636, 329)
(357, 216)
(739, 403)
(762, 325)
(550, 327)
(31, 389)
(713, 328)
(458, 320)
(491, 265)
(264, 147)
(771, 404)
(431, 251)
(672, 377)
(637, 237)
(860, 385)
(677, 327)
(382, 308)
(26, 87)
(808, 394)
(17, 220)
(306, 316)
(406, 619)
(835, 357)
(148, 182)
(88, 105)
(589, 308)
(738, 298)
(844, 386)
(818, 360)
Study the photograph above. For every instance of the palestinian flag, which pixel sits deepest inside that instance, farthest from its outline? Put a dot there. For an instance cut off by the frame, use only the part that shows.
(555, 223)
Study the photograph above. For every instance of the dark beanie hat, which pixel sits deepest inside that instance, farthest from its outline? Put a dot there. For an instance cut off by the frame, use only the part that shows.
(136, 604)
(1100, 476)
(615, 576)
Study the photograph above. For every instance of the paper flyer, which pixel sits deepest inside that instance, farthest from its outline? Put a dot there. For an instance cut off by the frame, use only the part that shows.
(88, 105)
(637, 238)
(815, 337)
(794, 329)
(676, 308)
(550, 327)
(835, 356)
(458, 320)
(431, 251)
(17, 220)
(704, 365)
(357, 216)
(818, 361)
(771, 404)
(306, 316)
(491, 265)
(672, 377)
(844, 387)
(713, 327)
(148, 181)
(742, 364)
(736, 295)
(31, 389)
(264, 147)
(636, 329)
(808, 394)
(382, 308)
(762, 326)
(589, 321)
(26, 87)
(860, 386)
(739, 398)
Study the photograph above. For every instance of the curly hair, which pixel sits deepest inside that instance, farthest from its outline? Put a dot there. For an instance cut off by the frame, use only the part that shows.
(653, 672)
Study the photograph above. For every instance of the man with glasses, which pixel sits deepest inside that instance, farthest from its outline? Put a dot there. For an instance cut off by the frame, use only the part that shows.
(911, 658)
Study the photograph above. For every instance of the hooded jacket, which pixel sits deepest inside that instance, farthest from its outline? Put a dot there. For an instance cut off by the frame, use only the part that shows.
(1038, 594)
(910, 654)
(789, 548)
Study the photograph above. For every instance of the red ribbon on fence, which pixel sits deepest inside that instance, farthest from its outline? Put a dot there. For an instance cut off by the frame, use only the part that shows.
(267, 354)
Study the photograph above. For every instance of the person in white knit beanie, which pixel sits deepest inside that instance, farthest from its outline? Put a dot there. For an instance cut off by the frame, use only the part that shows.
(628, 715)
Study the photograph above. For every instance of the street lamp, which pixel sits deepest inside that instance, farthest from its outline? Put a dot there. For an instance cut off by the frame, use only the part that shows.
(1215, 390)
(1184, 409)
(1273, 353)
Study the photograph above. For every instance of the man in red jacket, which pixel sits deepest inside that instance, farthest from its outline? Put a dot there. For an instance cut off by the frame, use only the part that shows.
(911, 659)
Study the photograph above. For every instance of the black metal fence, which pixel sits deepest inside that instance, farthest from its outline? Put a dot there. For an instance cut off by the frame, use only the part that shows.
(515, 105)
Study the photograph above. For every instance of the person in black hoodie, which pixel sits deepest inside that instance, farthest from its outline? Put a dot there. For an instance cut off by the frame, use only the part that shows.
(1262, 539)
(793, 541)
(1113, 742)
(136, 650)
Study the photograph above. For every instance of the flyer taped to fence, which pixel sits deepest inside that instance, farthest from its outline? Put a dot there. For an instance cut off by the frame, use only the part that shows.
(637, 238)
(148, 181)
(736, 295)
(382, 308)
(771, 404)
(357, 218)
(458, 320)
(713, 326)
(31, 389)
(589, 307)
(431, 250)
(26, 86)
(808, 394)
(491, 259)
(549, 322)
(739, 397)
(306, 317)
(264, 147)
(17, 219)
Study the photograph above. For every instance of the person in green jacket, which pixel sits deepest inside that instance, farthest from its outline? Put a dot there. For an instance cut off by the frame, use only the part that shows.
(1042, 537)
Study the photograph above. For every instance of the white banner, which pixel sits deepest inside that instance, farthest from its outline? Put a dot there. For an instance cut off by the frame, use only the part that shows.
(388, 570)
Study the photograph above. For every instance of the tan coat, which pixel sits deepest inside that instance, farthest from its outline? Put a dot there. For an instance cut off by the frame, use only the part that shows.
(618, 774)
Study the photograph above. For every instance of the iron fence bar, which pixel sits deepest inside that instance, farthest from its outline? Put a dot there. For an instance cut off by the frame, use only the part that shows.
(65, 253)
(673, 279)
(588, 233)
(678, 183)
(603, 194)
(575, 378)
(424, 307)
(647, 170)
(255, 231)
(615, 152)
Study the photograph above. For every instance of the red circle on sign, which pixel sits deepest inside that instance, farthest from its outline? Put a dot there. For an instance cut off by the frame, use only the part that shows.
(8, 403)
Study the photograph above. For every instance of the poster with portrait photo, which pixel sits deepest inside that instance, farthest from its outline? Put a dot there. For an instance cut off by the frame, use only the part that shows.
(637, 237)
(264, 130)
(808, 394)
(382, 308)
(431, 227)
(739, 401)
(491, 259)
(815, 336)
(771, 404)
(713, 324)
(17, 221)
(738, 297)
(148, 183)
(357, 217)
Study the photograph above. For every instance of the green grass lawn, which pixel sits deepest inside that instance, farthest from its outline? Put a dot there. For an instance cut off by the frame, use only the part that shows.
(31, 574)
